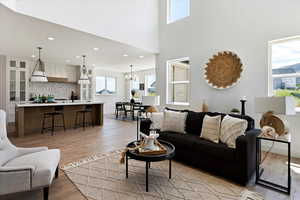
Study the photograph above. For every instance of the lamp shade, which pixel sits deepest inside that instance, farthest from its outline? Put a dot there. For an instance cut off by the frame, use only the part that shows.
(150, 100)
(278, 105)
(38, 76)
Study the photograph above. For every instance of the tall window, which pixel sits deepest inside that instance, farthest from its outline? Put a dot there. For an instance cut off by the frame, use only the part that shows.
(150, 85)
(285, 68)
(105, 85)
(178, 81)
(178, 9)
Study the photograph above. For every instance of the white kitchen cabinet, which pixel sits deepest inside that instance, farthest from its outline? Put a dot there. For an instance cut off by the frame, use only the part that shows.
(17, 84)
(72, 73)
(62, 71)
(86, 90)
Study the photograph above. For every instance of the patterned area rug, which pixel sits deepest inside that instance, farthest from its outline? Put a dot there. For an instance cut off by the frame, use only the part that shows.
(102, 177)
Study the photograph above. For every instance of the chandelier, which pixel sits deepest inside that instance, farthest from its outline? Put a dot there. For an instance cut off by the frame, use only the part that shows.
(130, 76)
(84, 79)
(38, 73)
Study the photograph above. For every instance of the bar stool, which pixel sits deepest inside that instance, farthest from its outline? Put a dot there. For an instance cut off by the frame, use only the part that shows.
(86, 110)
(58, 111)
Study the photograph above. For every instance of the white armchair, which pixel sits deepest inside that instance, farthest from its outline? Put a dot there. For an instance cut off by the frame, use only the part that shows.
(24, 169)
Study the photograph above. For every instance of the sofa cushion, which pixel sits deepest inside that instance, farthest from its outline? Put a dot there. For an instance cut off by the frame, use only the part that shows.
(194, 121)
(211, 128)
(232, 128)
(174, 121)
(44, 162)
(157, 119)
(199, 146)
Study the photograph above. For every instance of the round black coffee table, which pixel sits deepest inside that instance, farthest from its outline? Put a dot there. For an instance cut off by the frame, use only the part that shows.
(151, 158)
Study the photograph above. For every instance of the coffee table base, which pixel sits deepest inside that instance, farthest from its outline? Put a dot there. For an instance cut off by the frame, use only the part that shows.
(148, 164)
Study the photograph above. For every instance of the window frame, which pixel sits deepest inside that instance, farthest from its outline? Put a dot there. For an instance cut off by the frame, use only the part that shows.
(188, 82)
(169, 20)
(105, 80)
(270, 91)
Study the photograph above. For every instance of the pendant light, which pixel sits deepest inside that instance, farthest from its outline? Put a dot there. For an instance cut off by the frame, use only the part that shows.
(38, 73)
(130, 76)
(84, 79)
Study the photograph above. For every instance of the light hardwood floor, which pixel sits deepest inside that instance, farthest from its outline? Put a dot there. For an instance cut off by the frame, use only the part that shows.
(115, 134)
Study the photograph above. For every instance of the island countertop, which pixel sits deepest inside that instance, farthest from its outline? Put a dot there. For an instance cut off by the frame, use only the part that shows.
(63, 103)
(30, 116)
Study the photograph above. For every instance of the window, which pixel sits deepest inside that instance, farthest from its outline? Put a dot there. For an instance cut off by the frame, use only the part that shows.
(105, 85)
(178, 81)
(150, 85)
(178, 9)
(285, 68)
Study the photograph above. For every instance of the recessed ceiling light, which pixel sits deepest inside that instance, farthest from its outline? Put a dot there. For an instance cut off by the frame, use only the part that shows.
(125, 55)
(96, 48)
(77, 56)
(68, 61)
(33, 56)
(141, 56)
(51, 38)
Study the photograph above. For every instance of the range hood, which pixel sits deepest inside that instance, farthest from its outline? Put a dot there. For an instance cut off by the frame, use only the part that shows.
(57, 80)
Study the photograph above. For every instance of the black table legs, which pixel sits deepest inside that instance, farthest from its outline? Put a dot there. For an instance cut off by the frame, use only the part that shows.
(148, 164)
(260, 171)
(147, 168)
(170, 169)
(126, 160)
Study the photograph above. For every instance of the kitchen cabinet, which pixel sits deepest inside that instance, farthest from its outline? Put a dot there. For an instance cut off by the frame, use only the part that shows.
(62, 71)
(17, 84)
(86, 90)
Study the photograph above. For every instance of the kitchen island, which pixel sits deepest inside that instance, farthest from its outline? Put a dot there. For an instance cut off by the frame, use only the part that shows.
(29, 116)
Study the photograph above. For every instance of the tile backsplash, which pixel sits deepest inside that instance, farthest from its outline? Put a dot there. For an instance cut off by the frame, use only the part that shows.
(59, 90)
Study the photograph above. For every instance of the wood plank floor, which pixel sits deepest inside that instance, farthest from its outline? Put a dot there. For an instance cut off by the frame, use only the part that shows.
(115, 134)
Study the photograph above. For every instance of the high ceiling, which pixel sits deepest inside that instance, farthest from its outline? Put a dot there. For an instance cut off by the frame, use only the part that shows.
(21, 34)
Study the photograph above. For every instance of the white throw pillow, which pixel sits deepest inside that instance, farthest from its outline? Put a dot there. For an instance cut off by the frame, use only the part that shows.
(174, 121)
(231, 129)
(157, 119)
(211, 128)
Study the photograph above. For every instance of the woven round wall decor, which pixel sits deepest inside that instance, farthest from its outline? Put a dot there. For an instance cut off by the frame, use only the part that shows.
(223, 70)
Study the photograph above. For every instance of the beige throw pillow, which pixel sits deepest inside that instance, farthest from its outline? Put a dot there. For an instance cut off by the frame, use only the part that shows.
(157, 119)
(174, 121)
(231, 129)
(211, 128)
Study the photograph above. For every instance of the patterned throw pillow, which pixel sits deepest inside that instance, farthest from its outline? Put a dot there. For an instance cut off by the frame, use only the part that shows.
(157, 119)
(174, 121)
(211, 128)
(231, 129)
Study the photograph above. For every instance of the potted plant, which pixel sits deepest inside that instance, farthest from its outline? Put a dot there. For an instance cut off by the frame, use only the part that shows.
(235, 111)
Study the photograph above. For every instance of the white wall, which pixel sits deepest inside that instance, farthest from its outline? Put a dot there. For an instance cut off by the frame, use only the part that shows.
(109, 100)
(133, 22)
(9, 3)
(3, 82)
(244, 27)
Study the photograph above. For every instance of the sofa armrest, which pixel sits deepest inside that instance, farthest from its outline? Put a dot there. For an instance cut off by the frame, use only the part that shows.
(15, 179)
(246, 153)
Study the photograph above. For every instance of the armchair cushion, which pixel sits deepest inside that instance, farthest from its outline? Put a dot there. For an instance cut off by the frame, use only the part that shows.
(44, 162)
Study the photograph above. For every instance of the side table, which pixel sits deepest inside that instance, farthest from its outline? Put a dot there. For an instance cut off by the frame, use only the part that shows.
(260, 171)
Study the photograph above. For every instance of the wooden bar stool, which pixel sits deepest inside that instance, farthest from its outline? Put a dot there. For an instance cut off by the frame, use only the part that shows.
(58, 111)
(86, 110)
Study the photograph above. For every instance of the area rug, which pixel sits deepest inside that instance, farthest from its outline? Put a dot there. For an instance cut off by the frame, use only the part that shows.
(102, 177)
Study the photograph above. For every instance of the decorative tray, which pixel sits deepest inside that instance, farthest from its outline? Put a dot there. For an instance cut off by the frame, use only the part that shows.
(160, 150)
